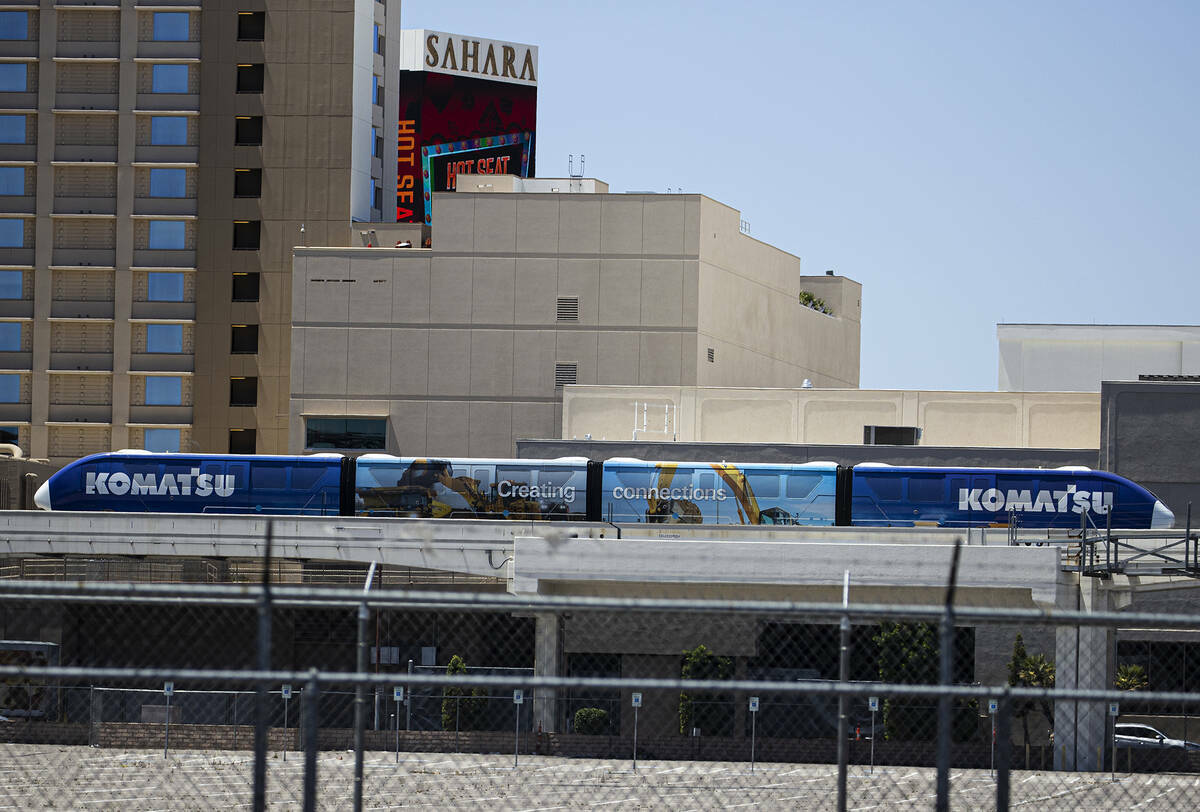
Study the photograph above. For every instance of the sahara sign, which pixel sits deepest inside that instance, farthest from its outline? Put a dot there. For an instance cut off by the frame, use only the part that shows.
(439, 52)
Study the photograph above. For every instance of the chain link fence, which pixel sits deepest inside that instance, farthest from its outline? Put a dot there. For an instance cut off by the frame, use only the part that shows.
(196, 696)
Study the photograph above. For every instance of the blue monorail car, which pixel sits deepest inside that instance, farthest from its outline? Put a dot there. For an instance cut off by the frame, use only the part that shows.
(618, 490)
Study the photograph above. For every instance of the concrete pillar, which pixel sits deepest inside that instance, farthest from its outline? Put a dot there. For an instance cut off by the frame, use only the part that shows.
(1082, 659)
(547, 658)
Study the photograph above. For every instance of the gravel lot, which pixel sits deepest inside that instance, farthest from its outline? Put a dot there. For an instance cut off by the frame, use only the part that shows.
(52, 777)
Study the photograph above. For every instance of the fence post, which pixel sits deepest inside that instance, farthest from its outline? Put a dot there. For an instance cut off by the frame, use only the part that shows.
(843, 746)
(360, 692)
(945, 720)
(1004, 737)
(261, 689)
(308, 709)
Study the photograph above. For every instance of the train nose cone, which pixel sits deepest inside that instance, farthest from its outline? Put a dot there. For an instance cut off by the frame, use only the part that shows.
(1162, 518)
(42, 497)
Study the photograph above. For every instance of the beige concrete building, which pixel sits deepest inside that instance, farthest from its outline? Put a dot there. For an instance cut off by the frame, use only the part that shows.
(1078, 357)
(156, 165)
(465, 347)
(830, 416)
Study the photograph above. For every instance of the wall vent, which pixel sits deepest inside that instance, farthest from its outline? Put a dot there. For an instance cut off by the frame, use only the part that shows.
(568, 308)
(891, 435)
(712, 355)
(564, 375)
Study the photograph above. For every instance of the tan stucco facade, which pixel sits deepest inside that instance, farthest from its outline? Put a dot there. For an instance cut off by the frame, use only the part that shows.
(830, 416)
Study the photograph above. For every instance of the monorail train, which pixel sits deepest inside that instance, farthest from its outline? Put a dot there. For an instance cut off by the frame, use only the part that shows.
(617, 490)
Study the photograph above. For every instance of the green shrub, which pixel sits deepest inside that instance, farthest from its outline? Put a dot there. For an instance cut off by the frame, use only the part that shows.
(460, 710)
(591, 721)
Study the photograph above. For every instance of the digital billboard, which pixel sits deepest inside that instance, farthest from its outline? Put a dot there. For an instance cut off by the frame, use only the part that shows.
(467, 106)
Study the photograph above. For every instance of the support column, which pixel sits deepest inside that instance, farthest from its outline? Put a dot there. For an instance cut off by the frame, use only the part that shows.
(547, 656)
(1082, 659)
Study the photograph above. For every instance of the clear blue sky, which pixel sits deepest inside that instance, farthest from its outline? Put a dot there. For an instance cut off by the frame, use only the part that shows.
(969, 163)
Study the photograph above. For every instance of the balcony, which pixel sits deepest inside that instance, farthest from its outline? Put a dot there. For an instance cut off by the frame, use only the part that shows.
(163, 310)
(164, 205)
(86, 361)
(16, 308)
(20, 101)
(85, 153)
(81, 310)
(80, 413)
(157, 258)
(18, 205)
(161, 362)
(149, 49)
(15, 412)
(16, 360)
(166, 155)
(181, 415)
(88, 50)
(168, 101)
(84, 257)
(85, 205)
(85, 101)
(18, 256)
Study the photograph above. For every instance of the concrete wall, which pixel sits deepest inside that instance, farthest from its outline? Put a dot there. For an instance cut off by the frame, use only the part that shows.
(831, 416)
(458, 345)
(1149, 433)
(1077, 357)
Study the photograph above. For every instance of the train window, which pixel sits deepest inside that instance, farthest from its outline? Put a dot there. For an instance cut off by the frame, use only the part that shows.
(483, 476)
(305, 478)
(926, 488)
(763, 485)
(707, 481)
(801, 485)
(235, 475)
(268, 476)
(886, 488)
(522, 474)
(555, 477)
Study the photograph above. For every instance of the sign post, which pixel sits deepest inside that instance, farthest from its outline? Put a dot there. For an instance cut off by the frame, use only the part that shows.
(753, 725)
(993, 704)
(169, 689)
(398, 697)
(518, 700)
(1114, 710)
(873, 704)
(286, 690)
(637, 703)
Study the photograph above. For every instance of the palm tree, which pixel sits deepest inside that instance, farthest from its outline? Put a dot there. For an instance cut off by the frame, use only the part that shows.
(1131, 678)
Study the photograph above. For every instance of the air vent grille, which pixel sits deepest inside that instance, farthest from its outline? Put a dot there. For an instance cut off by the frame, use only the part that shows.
(712, 355)
(568, 308)
(564, 375)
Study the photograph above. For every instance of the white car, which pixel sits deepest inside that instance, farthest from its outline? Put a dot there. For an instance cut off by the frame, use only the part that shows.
(1144, 736)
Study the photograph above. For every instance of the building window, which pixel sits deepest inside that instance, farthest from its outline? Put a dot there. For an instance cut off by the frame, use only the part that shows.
(12, 233)
(245, 287)
(376, 195)
(247, 183)
(12, 180)
(243, 391)
(250, 78)
(168, 235)
(351, 433)
(244, 339)
(169, 79)
(252, 26)
(246, 235)
(378, 40)
(10, 336)
(376, 143)
(168, 183)
(161, 440)
(10, 434)
(12, 285)
(171, 26)
(168, 130)
(376, 91)
(164, 286)
(164, 391)
(248, 131)
(10, 388)
(15, 25)
(12, 129)
(14, 77)
(164, 338)
(242, 441)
